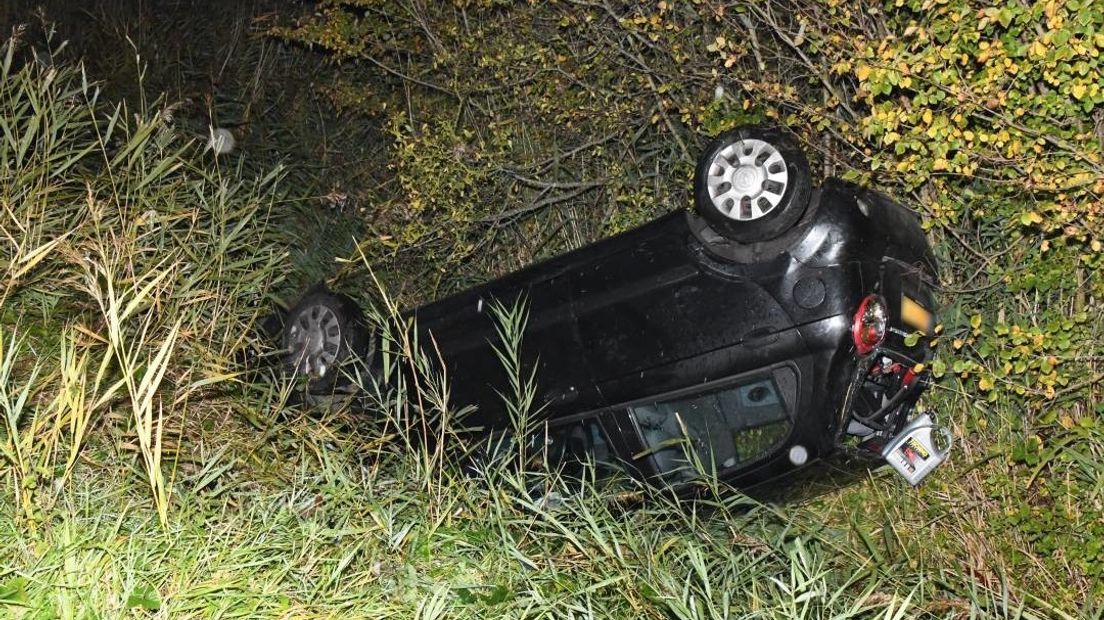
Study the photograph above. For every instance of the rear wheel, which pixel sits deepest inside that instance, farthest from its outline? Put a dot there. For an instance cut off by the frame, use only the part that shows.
(752, 183)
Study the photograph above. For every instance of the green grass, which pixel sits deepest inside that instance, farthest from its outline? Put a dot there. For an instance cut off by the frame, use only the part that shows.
(309, 520)
(313, 518)
(142, 473)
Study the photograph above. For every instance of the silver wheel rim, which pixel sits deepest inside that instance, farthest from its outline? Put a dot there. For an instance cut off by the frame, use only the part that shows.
(313, 340)
(747, 179)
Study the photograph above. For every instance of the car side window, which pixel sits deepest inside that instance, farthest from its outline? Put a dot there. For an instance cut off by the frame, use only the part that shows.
(568, 448)
(714, 431)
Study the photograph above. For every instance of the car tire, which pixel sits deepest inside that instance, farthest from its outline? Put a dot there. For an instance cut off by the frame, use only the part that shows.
(752, 183)
(324, 332)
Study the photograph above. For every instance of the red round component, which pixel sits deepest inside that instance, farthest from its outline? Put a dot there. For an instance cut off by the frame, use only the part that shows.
(868, 329)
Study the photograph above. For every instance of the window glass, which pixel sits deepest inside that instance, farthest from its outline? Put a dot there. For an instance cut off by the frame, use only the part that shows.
(714, 431)
(567, 447)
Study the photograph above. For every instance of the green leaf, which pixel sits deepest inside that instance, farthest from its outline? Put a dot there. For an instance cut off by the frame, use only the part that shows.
(939, 368)
(14, 591)
(145, 597)
(499, 594)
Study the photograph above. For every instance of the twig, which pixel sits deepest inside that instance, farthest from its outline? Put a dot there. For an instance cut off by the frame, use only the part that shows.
(576, 150)
(554, 185)
(420, 82)
(1079, 386)
(667, 121)
(540, 204)
(820, 72)
(754, 42)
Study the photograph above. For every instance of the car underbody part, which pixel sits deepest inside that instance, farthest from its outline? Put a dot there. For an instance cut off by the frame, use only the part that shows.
(886, 386)
(883, 401)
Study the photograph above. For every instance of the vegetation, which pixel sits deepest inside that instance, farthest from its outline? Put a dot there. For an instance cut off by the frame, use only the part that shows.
(988, 119)
(143, 471)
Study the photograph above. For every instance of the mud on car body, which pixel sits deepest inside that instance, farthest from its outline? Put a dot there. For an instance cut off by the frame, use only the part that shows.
(778, 324)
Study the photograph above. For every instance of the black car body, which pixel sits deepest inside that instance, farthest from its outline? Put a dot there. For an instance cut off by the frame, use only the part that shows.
(626, 332)
(743, 345)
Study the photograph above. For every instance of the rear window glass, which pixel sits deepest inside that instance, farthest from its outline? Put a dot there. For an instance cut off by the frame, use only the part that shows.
(714, 431)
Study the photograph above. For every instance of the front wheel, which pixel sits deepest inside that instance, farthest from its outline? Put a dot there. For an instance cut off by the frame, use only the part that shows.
(323, 332)
(752, 183)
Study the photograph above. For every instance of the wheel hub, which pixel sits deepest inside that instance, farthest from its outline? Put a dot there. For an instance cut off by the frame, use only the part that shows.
(313, 341)
(747, 179)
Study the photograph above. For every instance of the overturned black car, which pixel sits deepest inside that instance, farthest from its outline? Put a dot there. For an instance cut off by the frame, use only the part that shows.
(776, 326)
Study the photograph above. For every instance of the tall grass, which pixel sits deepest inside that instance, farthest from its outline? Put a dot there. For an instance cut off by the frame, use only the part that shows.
(520, 398)
(138, 266)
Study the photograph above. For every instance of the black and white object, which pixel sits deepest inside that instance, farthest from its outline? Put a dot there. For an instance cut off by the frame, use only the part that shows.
(914, 453)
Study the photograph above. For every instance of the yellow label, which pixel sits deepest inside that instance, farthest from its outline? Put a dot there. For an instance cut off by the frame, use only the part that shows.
(916, 316)
(918, 448)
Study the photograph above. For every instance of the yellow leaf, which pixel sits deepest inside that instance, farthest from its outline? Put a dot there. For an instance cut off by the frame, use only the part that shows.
(1079, 89)
(927, 117)
(863, 72)
(1031, 217)
(985, 384)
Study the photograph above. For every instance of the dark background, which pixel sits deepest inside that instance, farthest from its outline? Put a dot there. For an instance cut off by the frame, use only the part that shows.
(212, 64)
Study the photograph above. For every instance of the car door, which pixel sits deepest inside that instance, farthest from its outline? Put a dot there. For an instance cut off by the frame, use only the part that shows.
(463, 330)
(646, 306)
